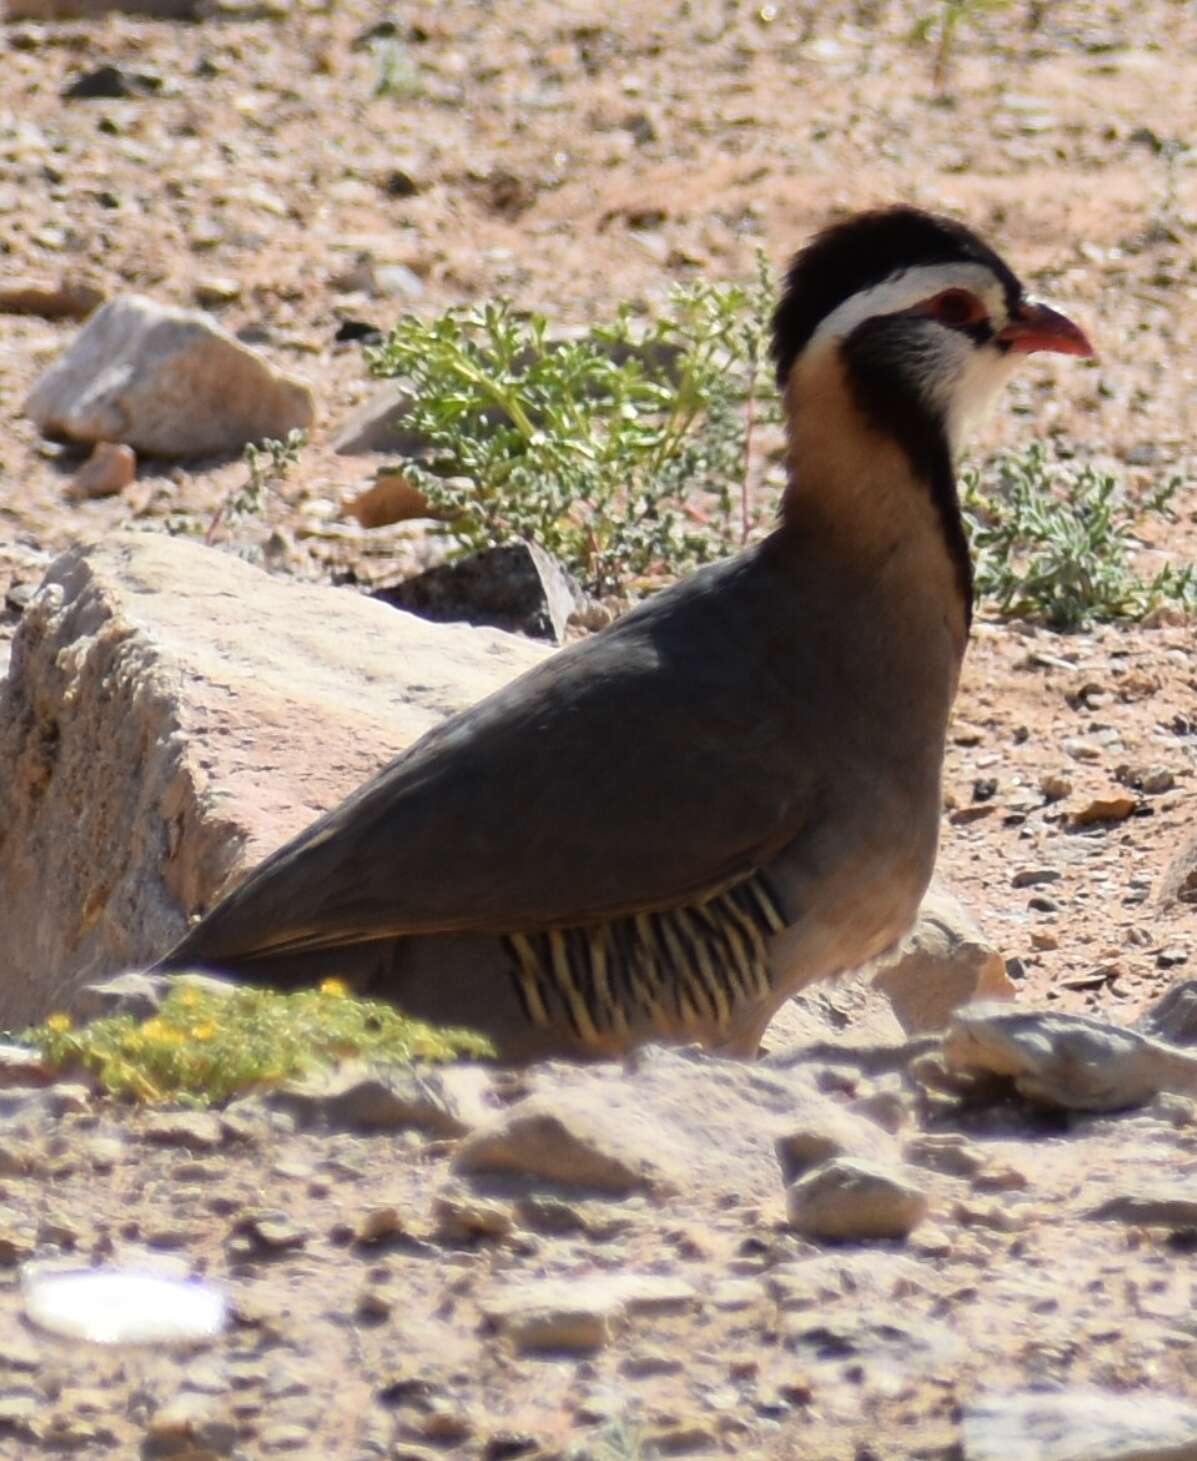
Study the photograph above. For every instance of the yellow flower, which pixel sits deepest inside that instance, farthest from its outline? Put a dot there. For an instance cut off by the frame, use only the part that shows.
(59, 1022)
(190, 998)
(161, 1033)
(204, 1031)
(334, 988)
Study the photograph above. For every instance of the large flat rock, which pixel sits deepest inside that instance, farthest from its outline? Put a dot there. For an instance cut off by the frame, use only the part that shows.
(171, 716)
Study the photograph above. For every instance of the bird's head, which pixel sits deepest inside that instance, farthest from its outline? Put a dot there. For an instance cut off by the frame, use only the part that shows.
(927, 320)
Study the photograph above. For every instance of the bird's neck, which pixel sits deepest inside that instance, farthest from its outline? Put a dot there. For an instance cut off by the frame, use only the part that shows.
(879, 502)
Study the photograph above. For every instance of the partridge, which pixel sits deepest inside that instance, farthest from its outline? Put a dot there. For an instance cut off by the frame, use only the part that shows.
(664, 831)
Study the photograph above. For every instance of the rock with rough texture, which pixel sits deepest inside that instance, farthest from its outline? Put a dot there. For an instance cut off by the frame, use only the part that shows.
(1073, 1061)
(849, 1198)
(1079, 1425)
(447, 1102)
(167, 382)
(377, 425)
(1179, 883)
(570, 1142)
(666, 1120)
(516, 586)
(68, 300)
(109, 470)
(171, 716)
(1173, 1017)
(944, 962)
(581, 1314)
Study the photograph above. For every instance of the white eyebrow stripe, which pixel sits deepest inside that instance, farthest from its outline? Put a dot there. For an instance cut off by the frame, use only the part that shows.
(908, 287)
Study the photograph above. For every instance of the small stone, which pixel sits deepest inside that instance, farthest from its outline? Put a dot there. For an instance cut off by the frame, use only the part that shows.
(1104, 809)
(1078, 1424)
(946, 1153)
(273, 1232)
(1034, 877)
(373, 1304)
(1174, 1208)
(285, 1437)
(645, 1363)
(732, 1294)
(391, 498)
(197, 1130)
(1055, 787)
(378, 1224)
(449, 1102)
(108, 470)
(17, 1406)
(536, 1323)
(444, 1422)
(65, 301)
(460, 1215)
(1172, 957)
(213, 290)
(574, 1144)
(853, 1199)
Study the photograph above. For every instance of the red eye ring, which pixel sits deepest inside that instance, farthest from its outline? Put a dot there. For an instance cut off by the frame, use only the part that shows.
(955, 308)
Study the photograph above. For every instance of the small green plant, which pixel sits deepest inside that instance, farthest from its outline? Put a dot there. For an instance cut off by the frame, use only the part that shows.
(626, 452)
(942, 24)
(267, 465)
(395, 73)
(1055, 543)
(204, 1046)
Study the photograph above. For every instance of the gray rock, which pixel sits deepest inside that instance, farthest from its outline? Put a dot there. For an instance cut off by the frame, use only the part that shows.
(1079, 1425)
(568, 1141)
(667, 1119)
(1179, 883)
(1073, 1061)
(1173, 1017)
(517, 587)
(552, 1315)
(138, 994)
(195, 1130)
(377, 426)
(167, 382)
(848, 1198)
(582, 1314)
(945, 962)
(447, 1102)
(1174, 1207)
(173, 715)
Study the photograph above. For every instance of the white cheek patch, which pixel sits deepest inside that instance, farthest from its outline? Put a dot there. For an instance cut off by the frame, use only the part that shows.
(909, 287)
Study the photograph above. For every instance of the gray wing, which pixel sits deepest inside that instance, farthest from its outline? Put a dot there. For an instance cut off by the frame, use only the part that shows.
(636, 770)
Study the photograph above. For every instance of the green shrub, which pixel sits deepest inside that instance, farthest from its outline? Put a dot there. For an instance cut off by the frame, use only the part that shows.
(1055, 543)
(628, 453)
(206, 1046)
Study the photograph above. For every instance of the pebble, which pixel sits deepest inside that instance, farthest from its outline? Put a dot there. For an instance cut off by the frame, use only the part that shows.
(1034, 877)
(196, 1130)
(108, 470)
(847, 1198)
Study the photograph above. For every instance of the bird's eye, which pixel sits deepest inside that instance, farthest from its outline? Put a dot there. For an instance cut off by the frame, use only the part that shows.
(956, 307)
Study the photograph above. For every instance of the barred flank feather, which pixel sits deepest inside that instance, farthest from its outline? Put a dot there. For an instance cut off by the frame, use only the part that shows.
(686, 966)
